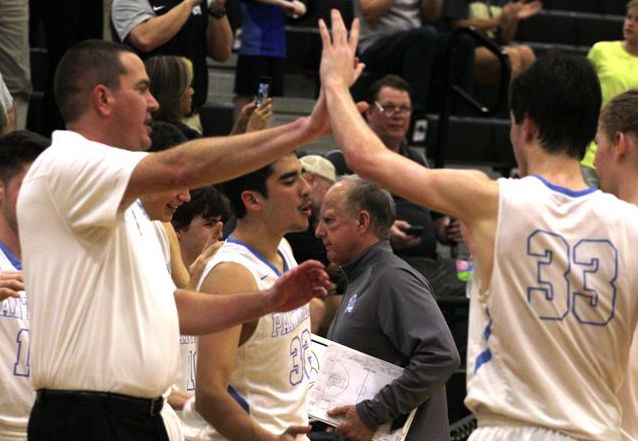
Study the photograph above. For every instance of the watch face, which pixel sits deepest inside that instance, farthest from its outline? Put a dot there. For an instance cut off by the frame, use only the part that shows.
(217, 12)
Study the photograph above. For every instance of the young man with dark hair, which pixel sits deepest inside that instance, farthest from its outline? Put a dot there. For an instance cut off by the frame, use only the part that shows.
(200, 221)
(262, 362)
(105, 314)
(554, 308)
(17, 151)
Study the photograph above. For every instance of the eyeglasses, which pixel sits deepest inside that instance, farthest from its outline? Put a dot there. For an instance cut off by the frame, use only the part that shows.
(390, 109)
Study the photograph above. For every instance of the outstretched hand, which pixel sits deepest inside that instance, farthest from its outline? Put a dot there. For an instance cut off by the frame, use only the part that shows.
(11, 284)
(296, 287)
(339, 66)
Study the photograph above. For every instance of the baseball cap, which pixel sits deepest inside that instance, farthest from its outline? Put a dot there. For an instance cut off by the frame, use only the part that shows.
(320, 166)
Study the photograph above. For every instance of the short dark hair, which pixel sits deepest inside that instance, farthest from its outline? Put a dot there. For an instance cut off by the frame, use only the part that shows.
(207, 202)
(18, 149)
(170, 77)
(621, 115)
(392, 81)
(165, 135)
(365, 195)
(561, 94)
(255, 181)
(84, 66)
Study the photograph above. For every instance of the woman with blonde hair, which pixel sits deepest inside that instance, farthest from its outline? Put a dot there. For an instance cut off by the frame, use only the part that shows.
(171, 84)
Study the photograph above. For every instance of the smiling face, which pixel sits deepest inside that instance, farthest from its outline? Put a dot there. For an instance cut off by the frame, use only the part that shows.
(131, 113)
(287, 207)
(161, 206)
(391, 124)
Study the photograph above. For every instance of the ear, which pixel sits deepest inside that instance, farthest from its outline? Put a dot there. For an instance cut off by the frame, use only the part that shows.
(622, 144)
(529, 128)
(251, 200)
(363, 219)
(218, 230)
(2, 188)
(102, 100)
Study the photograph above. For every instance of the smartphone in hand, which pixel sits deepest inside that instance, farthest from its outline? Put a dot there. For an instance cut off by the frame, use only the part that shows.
(262, 90)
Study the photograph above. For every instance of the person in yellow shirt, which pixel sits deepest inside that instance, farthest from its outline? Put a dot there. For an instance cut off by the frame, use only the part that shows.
(616, 63)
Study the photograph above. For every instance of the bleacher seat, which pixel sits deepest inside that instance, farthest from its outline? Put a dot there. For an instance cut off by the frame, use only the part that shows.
(217, 120)
(570, 28)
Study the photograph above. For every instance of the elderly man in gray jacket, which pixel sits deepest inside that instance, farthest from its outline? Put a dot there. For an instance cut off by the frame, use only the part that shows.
(387, 312)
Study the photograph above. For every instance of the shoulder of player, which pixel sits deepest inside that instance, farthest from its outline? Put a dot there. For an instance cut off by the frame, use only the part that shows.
(229, 278)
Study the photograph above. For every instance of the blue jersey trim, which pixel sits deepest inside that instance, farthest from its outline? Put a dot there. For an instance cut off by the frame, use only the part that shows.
(260, 256)
(15, 260)
(240, 400)
(566, 191)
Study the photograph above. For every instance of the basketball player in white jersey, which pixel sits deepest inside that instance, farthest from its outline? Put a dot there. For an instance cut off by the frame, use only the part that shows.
(252, 379)
(17, 151)
(552, 321)
(617, 169)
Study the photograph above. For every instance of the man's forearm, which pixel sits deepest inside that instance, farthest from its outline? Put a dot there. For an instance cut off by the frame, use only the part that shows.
(158, 30)
(201, 314)
(219, 39)
(228, 418)
(212, 160)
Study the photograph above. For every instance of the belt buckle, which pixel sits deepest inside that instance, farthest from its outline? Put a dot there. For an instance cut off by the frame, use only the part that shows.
(155, 405)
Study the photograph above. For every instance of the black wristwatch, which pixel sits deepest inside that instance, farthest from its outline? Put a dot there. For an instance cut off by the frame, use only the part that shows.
(217, 12)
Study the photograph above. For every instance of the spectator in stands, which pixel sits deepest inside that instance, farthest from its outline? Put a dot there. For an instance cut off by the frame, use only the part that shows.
(7, 112)
(395, 38)
(320, 174)
(388, 312)
(200, 221)
(263, 47)
(497, 20)
(171, 84)
(616, 63)
(15, 66)
(389, 117)
(191, 28)
(617, 166)
(171, 79)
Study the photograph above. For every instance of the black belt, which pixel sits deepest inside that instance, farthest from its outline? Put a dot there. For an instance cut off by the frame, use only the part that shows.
(148, 406)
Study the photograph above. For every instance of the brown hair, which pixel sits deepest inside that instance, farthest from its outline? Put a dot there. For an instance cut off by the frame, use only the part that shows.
(84, 66)
(621, 115)
(170, 77)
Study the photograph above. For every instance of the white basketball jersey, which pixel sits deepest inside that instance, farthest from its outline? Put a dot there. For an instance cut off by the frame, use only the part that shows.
(549, 338)
(16, 393)
(270, 376)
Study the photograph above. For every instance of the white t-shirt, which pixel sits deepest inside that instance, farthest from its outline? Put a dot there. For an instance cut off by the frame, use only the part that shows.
(103, 316)
(269, 376)
(16, 393)
(549, 338)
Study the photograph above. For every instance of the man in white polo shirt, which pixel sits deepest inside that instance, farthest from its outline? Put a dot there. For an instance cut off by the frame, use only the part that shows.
(106, 318)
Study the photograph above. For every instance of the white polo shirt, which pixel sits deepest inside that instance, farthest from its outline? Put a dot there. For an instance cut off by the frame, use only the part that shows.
(103, 316)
